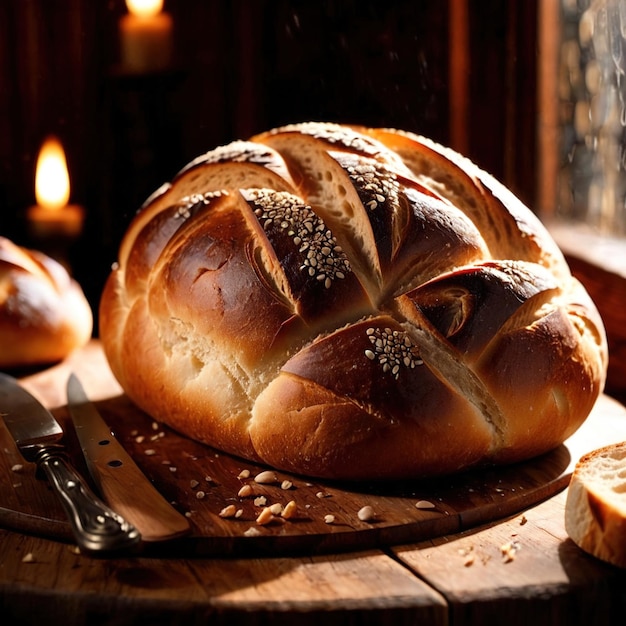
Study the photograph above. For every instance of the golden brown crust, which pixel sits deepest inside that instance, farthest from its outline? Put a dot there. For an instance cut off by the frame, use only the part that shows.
(44, 314)
(351, 303)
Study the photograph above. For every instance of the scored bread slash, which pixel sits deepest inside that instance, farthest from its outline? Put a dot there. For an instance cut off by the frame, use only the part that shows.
(370, 252)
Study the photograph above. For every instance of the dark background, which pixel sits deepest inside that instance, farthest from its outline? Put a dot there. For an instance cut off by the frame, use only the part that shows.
(244, 66)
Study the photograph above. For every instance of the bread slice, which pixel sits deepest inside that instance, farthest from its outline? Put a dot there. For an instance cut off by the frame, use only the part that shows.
(595, 511)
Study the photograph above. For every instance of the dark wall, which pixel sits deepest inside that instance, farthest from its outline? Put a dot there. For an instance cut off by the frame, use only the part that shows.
(240, 67)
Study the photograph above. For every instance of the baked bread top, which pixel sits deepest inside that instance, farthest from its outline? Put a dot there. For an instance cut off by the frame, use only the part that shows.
(44, 314)
(352, 303)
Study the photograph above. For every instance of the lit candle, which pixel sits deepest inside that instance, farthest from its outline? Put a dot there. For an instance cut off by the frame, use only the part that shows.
(145, 37)
(53, 216)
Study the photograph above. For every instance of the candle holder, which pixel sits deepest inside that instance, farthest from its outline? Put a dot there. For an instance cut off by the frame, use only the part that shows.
(54, 232)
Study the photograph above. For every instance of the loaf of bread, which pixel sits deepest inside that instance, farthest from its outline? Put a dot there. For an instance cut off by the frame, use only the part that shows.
(44, 314)
(351, 303)
(595, 510)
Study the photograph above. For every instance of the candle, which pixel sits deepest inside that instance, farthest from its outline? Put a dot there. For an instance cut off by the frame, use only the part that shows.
(53, 217)
(145, 37)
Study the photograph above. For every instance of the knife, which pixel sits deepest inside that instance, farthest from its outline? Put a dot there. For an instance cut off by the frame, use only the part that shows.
(39, 437)
(122, 484)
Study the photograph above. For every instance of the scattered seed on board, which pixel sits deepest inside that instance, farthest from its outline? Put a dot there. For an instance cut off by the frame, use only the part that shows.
(17, 468)
(290, 510)
(266, 478)
(245, 491)
(366, 513)
(265, 517)
(260, 501)
(244, 474)
(424, 504)
(329, 519)
(228, 511)
(286, 484)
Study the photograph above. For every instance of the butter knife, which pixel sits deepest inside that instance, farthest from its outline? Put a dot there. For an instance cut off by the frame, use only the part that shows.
(122, 484)
(39, 438)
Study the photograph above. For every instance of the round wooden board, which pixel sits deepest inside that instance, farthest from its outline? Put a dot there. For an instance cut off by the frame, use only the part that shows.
(202, 482)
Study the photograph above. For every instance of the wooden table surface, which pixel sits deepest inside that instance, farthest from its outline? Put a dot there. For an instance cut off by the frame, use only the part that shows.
(457, 579)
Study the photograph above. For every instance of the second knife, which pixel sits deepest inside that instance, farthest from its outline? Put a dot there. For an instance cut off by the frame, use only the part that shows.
(123, 485)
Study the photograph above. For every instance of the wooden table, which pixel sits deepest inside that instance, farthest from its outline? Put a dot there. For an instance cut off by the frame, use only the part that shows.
(462, 578)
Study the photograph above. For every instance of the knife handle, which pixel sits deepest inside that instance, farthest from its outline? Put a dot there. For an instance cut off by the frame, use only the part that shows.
(97, 529)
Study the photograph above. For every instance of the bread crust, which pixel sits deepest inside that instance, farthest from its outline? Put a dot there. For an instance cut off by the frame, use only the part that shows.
(44, 314)
(595, 510)
(351, 303)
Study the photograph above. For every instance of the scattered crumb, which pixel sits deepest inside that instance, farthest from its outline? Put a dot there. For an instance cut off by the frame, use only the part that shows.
(28, 558)
(260, 501)
(17, 468)
(468, 556)
(193, 483)
(329, 519)
(322, 494)
(509, 550)
(150, 452)
(252, 532)
(523, 520)
(173, 469)
(200, 495)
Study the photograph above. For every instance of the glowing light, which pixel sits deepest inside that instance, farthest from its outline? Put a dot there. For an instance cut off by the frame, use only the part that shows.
(144, 8)
(52, 180)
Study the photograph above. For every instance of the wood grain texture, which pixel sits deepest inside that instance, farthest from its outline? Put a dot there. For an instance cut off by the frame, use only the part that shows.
(202, 482)
(520, 571)
(459, 578)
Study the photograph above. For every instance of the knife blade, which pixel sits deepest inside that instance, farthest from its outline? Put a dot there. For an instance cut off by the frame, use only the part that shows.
(123, 485)
(39, 437)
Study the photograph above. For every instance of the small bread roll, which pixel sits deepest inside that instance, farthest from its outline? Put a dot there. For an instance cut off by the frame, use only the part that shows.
(595, 510)
(44, 314)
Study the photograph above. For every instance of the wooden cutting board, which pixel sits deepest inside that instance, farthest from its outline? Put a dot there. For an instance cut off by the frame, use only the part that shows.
(202, 482)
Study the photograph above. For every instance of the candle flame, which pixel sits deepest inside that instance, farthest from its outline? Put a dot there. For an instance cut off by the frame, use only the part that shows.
(144, 8)
(52, 181)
